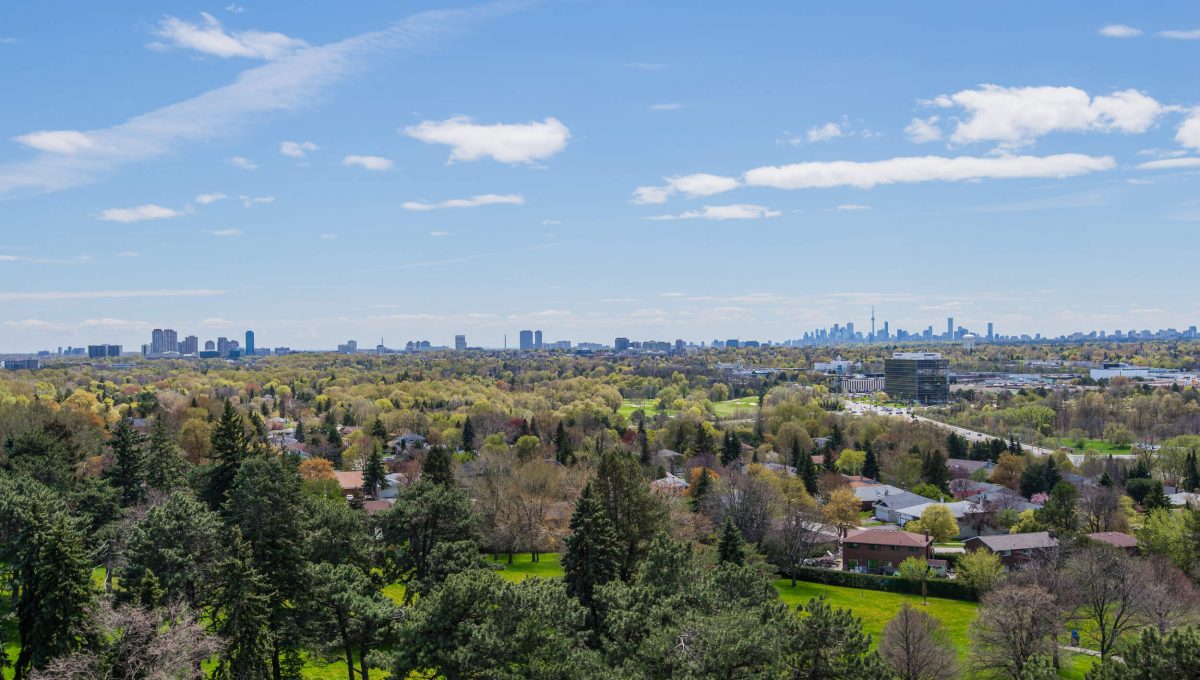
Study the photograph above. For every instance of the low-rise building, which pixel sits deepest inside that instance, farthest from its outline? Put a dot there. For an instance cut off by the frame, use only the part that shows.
(1014, 550)
(1117, 539)
(886, 508)
(882, 550)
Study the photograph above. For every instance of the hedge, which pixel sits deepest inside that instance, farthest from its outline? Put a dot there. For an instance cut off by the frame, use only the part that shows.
(938, 587)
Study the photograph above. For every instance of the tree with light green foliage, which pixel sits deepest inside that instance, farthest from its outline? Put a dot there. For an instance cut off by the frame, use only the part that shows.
(917, 569)
(979, 569)
(850, 461)
(937, 522)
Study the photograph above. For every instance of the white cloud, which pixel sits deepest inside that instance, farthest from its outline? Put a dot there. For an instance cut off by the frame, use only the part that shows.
(673, 106)
(921, 130)
(472, 202)
(376, 163)
(210, 37)
(851, 207)
(505, 142)
(67, 142)
(287, 84)
(826, 132)
(1189, 132)
(296, 149)
(205, 199)
(908, 170)
(698, 184)
(1170, 164)
(148, 211)
(739, 211)
(1120, 31)
(223, 232)
(1193, 34)
(9, 41)
(250, 201)
(1016, 116)
(439, 234)
(242, 163)
(328, 237)
(54, 295)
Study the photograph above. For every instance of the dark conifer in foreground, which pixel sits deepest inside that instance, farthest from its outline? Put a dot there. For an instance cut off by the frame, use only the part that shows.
(729, 550)
(593, 551)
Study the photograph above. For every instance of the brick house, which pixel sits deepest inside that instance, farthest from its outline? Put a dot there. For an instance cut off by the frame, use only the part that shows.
(882, 550)
(1117, 540)
(1014, 550)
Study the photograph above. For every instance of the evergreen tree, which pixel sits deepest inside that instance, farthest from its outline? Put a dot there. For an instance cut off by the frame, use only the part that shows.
(760, 423)
(1192, 473)
(703, 484)
(1106, 480)
(243, 607)
(1050, 475)
(180, 542)
(837, 437)
(562, 445)
(643, 442)
(165, 464)
(593, 551)
(870, 463)
(468, 435)
(378, 431)
(438, 467)
(808, 472)
(704, 440)
(428, 524)
(533, 428)
(300, 430)
(374, 475)
(636, 513)
(731, 448)
(1155, 498)
(229, 450)
(828, 460)
(830, 645)
(934, 470)
(729, 550)
(128, 470)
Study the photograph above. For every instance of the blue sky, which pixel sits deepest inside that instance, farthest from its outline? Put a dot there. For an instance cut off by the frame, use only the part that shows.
(320, 171)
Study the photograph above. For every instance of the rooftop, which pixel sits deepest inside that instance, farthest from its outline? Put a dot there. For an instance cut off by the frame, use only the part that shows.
(889, 537)
(1030, 541)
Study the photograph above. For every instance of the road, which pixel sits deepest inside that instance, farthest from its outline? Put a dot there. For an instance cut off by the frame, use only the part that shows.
(859, 408)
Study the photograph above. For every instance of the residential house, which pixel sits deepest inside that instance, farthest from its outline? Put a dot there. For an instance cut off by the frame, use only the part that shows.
(869, 494)
(670, 484)
(1117, 539)
(1014, 550)
(963, 467)
(970, 517)
(406, 442)
(882, 550)
(886, 508)
(351, 481)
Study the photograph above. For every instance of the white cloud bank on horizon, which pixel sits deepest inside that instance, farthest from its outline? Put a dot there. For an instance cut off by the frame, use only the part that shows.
(472, 202)
(868, 174)
(504, 142)
(69, 158)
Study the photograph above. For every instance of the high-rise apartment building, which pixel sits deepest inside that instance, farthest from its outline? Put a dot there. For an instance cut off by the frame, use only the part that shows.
(537, 339)
(526, 342)
(163, 341)
(223, 347)
(920, 377)
(950, 328)
(249, 343)
(990, 334)
(622, 344)
(190, 345)
(460, 342)
(103, 351)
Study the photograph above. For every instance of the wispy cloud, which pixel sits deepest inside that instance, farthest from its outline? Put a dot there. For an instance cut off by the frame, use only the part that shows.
(56, 295)
(296, 149)
(504, 142)
(223, 232)
(1192, 34)
(328, 237)
(1120, 31)
(251, 201)
(242, 163)
(439, 234)
(824, 133)
(1170, 164)
(850, 207)
(472, 202)
(70, 158)
(672, 106)
(210, 37)
(140, 213)
(205, 199)
(740, 211)
(698, 184)
(375, 163)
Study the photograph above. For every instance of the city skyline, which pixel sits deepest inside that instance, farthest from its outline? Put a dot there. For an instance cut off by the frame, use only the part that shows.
(567, 166)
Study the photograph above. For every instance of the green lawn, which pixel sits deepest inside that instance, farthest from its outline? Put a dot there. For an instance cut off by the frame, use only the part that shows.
(1092, 446)
(647, 406)
(523, 567)
(744, 407)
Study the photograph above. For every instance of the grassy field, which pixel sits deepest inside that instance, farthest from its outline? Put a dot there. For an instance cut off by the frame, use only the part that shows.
(1092, 446)
(647, 406)
(735, 408)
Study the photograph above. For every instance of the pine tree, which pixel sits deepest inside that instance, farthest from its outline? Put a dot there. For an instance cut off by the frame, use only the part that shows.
(378, 431)
(643, 443)
(165, 464)
(1192, 473)
(438, 467)
(808, 472)
(703, 484)
(870, 463)
(374, 475)
(593, 551)
(829, 461)
(934, 470)
(1050, 474)
(1106, 480)
(562, 445)
(468, 435)
(729, 550)
(731, 448)
(244, 608)
(300, 430)
(704, 440)
(128, 471)
(229, 450)
(837, 437)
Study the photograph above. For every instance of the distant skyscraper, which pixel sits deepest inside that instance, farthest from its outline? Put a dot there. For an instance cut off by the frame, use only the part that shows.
(223, 346)
(460, 342)
(990, 335)
(190, 345)
(163, 340)
(872, 323)
(210, 346)
(537, 339)
(526, 341)
(249, 343)
(950, 327)
(622, 344)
